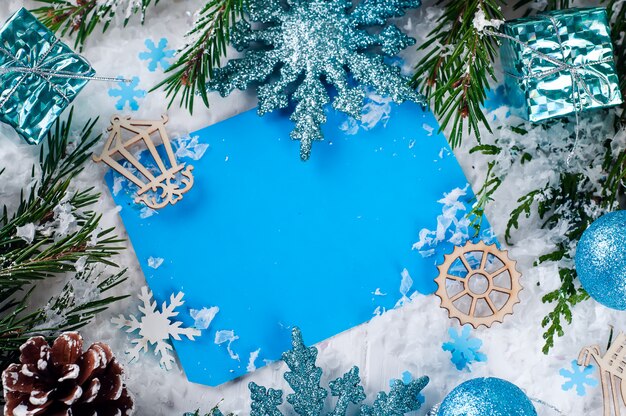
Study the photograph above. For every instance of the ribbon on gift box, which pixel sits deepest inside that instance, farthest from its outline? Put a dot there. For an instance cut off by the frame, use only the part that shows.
(42, 69)
(575, 71)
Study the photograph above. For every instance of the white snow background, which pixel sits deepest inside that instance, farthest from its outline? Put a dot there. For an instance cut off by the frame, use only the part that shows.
(406, 339)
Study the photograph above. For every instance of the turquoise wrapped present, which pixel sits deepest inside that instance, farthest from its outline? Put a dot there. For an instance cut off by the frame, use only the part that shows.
(40, 76)
(559, 63)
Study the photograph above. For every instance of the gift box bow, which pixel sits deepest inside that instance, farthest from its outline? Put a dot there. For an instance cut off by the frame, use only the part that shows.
(40, 76)
(43, 68)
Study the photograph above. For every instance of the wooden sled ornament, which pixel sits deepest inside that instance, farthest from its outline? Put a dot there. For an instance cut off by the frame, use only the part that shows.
(611, 367)
(474, 306)
(156, 189)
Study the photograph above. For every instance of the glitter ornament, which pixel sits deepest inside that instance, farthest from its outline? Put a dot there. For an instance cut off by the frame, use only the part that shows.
(307, 44)
(601, 260)
(487, 396)
(309, 397)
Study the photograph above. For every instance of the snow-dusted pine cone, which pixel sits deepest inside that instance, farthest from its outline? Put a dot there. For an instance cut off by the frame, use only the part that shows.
(63, 380)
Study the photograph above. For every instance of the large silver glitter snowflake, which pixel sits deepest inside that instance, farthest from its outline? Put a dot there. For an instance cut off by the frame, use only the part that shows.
(299, 47)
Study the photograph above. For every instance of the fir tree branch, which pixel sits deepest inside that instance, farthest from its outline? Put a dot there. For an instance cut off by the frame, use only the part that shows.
(80, 252)
(80, 18)
(207, 43)
(457, 66)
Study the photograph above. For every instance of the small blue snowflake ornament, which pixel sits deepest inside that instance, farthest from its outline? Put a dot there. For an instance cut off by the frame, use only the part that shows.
(157, 54)
(308, 397)
(128, 93)
(464, 348)
(578, 377)
(305, 45)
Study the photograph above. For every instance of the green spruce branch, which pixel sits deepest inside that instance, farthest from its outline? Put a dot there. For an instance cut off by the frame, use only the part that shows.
(80, 253)
(79, 18)
(208, 42)
(458, 64)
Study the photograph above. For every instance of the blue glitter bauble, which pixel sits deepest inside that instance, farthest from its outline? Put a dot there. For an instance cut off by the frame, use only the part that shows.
(601, 260)
(487, 396)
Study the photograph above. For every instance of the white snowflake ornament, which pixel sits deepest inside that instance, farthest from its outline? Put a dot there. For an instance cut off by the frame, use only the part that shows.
(156, 327)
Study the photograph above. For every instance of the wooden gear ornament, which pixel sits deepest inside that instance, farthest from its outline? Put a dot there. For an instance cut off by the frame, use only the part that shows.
(612, 368)
(481, 304)
(156, 189)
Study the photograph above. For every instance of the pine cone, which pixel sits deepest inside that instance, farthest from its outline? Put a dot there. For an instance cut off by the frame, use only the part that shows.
(63, 380)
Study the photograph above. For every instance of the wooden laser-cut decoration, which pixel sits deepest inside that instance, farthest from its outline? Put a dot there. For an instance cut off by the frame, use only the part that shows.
(612, 377)
(508, 289)
(156, 189)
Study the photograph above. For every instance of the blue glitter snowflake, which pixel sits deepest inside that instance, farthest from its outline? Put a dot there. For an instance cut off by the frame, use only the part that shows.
(308, 396)
(407, 378)
(464, 348)
(157, 54)
(578, 377)
(305, 46)
(127, 93)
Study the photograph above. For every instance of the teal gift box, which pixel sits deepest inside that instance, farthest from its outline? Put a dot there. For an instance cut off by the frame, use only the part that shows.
(558, 63)
(40, 76)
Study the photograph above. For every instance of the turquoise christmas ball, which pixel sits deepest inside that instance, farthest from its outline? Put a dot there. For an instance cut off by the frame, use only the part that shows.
(601, 260)
(487, 396)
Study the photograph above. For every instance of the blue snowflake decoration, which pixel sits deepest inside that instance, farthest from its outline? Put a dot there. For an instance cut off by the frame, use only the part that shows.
(127, 93)
(407, 378)
(308, 396)
(304, 46)
(464, 348)
(579, 377)
(157, 54)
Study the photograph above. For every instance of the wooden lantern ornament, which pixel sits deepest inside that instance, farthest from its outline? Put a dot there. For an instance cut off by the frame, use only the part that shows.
(160, 186)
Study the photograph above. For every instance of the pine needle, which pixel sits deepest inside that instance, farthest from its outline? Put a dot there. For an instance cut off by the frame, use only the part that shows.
(207, 45)
(24, 265)
(80, 18)
(455, 71)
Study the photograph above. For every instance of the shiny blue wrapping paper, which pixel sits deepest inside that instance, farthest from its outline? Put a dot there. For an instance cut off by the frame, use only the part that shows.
(32, 102)
(540, 89)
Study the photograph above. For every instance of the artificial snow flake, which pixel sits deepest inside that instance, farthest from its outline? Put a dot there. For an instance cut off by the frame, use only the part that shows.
(128, 93)
(309, 397)
(155, 262)
(157, 54)
(579, 377)
(203, 317)
(453, 225)
(464, 348)
(156, 327)
(303, 46)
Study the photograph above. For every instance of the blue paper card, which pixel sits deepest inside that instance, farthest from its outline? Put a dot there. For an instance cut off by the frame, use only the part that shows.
(275, 242)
